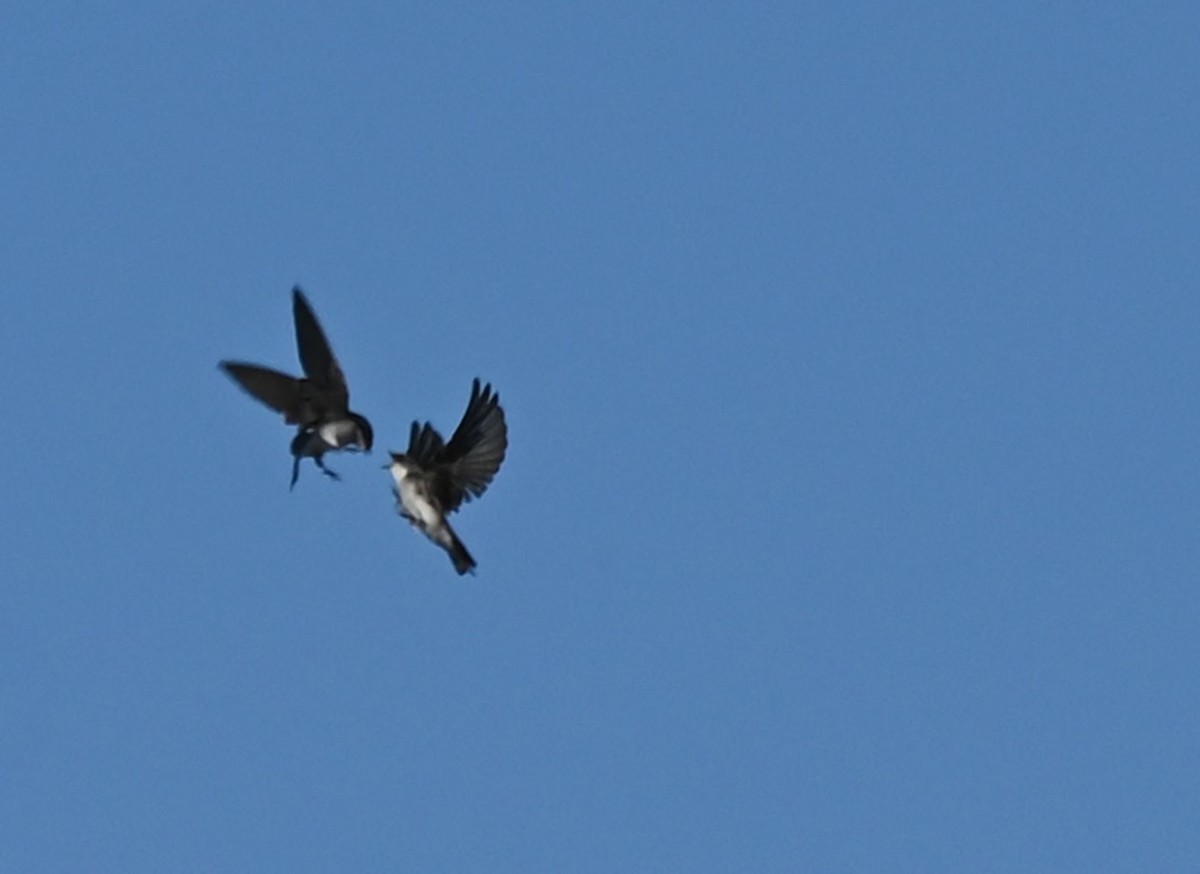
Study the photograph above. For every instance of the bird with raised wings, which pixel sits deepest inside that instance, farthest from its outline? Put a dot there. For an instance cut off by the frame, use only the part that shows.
(318, 403)
(434, 478)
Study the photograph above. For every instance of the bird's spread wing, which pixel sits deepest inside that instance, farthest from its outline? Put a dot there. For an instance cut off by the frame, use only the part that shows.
(425, 445)
(467, 464)
(280, 392)
(316, 355)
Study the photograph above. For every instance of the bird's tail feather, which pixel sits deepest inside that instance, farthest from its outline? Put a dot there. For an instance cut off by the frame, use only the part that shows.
(458, 553)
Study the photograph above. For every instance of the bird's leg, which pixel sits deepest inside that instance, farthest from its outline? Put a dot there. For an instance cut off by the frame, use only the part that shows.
(321, 464)
(295, 472)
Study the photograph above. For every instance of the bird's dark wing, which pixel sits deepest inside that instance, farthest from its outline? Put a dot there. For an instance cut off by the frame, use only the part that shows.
(280, 392)
(316, 355)
(466, 465)
(425, 445)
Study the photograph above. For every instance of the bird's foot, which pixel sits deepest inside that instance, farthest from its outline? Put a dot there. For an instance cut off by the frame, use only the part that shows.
(329, 473)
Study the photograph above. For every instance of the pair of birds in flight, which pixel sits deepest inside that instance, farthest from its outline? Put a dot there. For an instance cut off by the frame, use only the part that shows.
(432, 478)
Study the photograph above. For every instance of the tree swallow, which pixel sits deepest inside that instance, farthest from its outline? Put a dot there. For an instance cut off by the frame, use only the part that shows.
(434, 478)
(319, 403)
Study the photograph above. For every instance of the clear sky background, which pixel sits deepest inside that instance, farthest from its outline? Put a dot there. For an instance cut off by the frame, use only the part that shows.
(850, 359)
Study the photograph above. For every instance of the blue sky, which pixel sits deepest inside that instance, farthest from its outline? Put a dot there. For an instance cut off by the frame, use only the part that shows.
(849, 518)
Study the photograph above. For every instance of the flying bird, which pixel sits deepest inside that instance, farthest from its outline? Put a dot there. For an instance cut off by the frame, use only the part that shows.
(318, 403)
(434, 478)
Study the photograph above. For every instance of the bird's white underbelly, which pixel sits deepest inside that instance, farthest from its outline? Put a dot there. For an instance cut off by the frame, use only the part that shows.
(416, 505)
(338, 433)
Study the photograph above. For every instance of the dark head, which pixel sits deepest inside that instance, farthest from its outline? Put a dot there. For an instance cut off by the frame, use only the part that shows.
(366, 437)
(400, 461)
